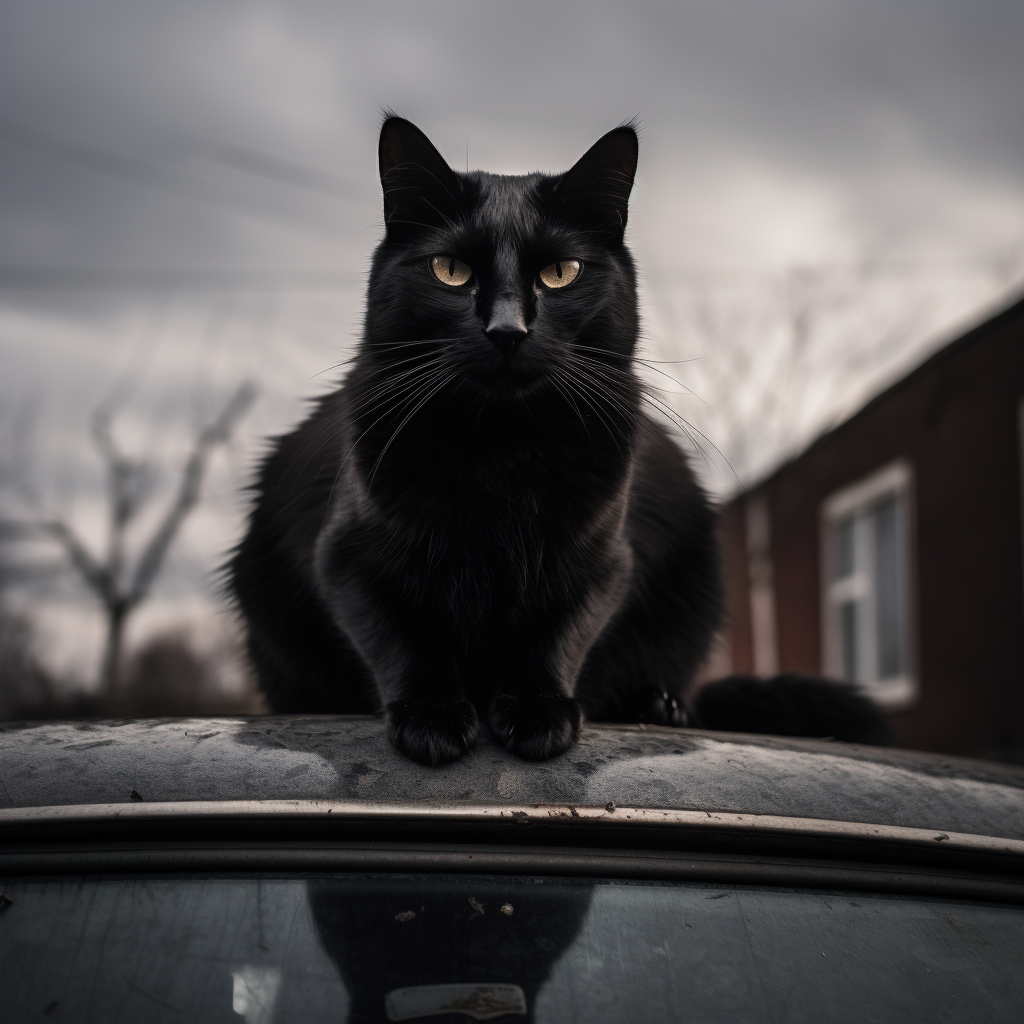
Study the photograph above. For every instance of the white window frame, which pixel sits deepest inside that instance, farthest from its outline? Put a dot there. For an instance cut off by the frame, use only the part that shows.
(896, 479)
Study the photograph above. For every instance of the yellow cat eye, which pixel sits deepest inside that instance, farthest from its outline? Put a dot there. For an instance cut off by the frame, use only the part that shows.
(450, 270)
(558, 275)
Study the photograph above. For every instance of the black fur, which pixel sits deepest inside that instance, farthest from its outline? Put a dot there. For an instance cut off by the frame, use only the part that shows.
(790, 705)
(483, 521)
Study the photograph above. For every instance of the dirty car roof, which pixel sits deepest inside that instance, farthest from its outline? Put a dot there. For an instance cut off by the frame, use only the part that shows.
(328, 758)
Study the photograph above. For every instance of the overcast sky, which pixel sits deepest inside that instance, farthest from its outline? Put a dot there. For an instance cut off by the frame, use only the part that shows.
(188, 198)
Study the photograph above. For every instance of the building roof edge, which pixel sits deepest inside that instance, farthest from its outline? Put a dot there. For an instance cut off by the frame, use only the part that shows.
(1009, 312)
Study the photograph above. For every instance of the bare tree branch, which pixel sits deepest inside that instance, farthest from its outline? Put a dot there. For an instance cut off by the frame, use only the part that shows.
(215, 434)
(95, 575)
(128, 486)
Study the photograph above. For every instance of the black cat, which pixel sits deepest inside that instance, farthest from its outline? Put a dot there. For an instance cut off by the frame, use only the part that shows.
(483, 520)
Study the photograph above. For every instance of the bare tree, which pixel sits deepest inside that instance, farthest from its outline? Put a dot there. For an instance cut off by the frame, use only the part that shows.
(119, 587)
(778, 354)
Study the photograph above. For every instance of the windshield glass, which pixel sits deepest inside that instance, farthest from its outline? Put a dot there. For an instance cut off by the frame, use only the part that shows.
(437, 947)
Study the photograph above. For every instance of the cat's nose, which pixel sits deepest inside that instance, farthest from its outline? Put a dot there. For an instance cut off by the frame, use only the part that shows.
(506, 326)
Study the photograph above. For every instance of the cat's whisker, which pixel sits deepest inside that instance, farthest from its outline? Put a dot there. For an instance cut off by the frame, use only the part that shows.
(377, 347)
(640, 360)
(384, 396)
(393, 401)
(344, 462)
(689, 430)
(374, 396)
(616, 405)
(617, 435)
(386, 346)
(591, 384)
(668, 362)
(368, 369)
(677, 420)
(381, 388)
(409, 416)
(622, 365)
(627, 383)
(625, 415)
(685, 391)
(611, 373)
(422, 358)
(334, 366)
(577, 347)
(615, 376)
(428, 357)
(590, 395)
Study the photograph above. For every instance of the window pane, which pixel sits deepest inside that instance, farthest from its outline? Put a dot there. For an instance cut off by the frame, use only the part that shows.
(844, 548)
(888, 617)
(848, 639)
(338, 948)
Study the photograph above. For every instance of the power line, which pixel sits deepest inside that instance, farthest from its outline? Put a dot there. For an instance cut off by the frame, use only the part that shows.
(170, 280)
(140, 172)
(287, 172)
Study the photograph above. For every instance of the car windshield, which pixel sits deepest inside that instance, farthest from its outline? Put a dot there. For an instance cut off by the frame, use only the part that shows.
(457, 947)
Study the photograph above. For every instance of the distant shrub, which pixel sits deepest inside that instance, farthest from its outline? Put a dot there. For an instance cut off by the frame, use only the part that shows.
(167, 675)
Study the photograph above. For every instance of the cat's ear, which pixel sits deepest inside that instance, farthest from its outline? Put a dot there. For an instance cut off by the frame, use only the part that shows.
(595, 190)
(419, 186)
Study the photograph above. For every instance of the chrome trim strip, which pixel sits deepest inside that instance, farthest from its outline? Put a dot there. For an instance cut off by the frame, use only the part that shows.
(378, 858)
(574, 816)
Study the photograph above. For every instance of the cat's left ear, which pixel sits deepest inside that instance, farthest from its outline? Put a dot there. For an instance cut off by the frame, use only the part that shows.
(419, 186)
(595, 190)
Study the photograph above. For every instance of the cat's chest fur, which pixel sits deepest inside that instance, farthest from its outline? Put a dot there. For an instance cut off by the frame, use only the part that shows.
(482, 518)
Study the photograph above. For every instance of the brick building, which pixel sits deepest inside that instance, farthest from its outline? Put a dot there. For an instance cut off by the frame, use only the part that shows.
(890, 551)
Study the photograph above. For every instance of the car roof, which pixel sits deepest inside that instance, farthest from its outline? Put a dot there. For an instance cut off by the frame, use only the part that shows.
(345, 762)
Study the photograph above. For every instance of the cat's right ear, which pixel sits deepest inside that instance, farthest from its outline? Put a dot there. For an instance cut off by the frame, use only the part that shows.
(595, 190)
(419, 186)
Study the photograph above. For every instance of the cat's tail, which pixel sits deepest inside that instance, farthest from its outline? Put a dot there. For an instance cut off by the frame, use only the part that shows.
(790, 705)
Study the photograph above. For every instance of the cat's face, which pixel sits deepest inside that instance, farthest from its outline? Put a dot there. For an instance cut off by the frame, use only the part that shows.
(508, 280)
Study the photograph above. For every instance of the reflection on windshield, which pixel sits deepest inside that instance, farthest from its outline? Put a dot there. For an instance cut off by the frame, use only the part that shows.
(439, 932)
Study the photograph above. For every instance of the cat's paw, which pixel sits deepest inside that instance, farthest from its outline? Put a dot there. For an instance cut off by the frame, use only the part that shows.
(661, 708)
(535, 728)
(431, 732)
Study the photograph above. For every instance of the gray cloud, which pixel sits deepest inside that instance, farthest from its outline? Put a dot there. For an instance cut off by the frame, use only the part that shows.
(188, 193)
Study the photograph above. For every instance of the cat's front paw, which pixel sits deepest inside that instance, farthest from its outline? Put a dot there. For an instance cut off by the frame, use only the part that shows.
(535, 728)
(431, 732)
